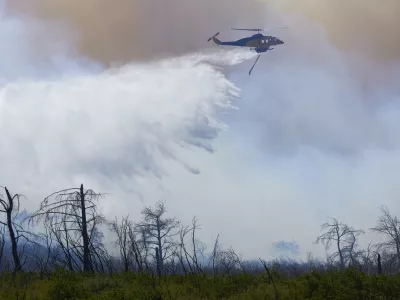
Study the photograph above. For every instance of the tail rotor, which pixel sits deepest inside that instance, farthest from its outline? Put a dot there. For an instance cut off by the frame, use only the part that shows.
(213, 37)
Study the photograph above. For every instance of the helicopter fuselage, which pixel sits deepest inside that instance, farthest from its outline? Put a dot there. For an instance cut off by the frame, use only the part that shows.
(259, 42)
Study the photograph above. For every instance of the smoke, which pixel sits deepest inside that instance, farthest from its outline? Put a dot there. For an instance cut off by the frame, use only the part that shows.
(324, 127)
(367, 27)
(315, 134)
(26, 53)
(121, 31)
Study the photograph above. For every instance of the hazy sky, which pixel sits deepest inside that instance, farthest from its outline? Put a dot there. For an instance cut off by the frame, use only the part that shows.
(312, 134)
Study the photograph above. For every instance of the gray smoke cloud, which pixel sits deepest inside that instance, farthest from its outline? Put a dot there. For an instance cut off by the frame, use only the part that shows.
(368, 27)
(125, 30)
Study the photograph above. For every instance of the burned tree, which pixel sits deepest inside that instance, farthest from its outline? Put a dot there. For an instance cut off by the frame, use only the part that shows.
(123, 240)
(2, 244)
(139, 247)
(10, 207)
(46, 256)
(159, 231)
(191, 257)
(389, 226)
(214, 255)
(343, 236)
(72, 216)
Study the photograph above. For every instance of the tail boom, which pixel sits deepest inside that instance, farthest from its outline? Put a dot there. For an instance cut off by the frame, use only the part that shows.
(217, 41)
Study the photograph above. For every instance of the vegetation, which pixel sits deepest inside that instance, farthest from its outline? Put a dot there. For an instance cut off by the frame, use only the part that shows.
(58, 252)
(63, 284)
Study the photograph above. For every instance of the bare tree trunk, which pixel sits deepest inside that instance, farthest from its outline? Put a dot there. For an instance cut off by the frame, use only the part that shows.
(135, 249)
(214, 255)
(2, 244)
(389, 226)
(158, 260)
(85, 236)
(14, 246)
(270, 279)
(379, 264)
(339, 250)
(126, 266)
(161, 262)
(122, 230)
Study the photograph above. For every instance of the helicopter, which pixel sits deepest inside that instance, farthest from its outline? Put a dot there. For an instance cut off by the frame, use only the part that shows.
(257, 42)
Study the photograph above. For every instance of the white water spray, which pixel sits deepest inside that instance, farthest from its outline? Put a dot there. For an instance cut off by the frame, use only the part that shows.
(120, 122)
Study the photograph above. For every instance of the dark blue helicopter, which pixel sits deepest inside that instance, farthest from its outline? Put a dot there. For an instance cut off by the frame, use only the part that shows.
(257, 42)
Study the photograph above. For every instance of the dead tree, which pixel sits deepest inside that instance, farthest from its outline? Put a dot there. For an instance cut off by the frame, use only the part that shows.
(214, 255)
(73, 217)
(138, 247)
(191, 257)
(238, 260)
(389, 226)
(367, 263)
(158, 261)
(270, 278)
(159, 231)
(379, 264)
(343, 236)
(58, 230)
(123, 240)
(44, 261)
(2, 244)
(227, 260)
(10, 207)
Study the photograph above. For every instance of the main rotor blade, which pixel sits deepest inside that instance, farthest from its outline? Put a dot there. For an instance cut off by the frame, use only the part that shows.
(247, 29)
(259, 29)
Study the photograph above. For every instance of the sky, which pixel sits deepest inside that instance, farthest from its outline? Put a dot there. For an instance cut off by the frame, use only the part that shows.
(129, 99)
